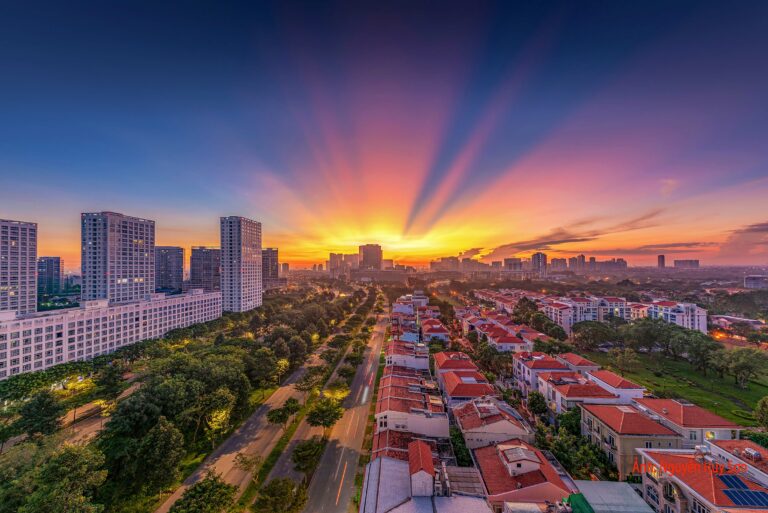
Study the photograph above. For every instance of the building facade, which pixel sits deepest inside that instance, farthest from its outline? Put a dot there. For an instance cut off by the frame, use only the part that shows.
(241, 284)
(169, 268)
(18, 266)
(117, 257)
(37, 341)
(270, 268)
(370, 257)
(50, 274)
(205, 268)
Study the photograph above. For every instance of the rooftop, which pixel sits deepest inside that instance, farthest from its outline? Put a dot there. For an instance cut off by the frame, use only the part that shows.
(614, 380)
(453, 360)
(466, 384)
(627, 420)
(685, 414)
(576, 360)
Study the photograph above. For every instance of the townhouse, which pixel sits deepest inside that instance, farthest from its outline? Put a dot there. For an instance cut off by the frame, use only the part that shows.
(464, 385)
(577, 363)
(625, 389)
(526, 367)
(695, 424)
(566, 390)
(488, 421)
(409, 401)
(618, 430)
(448, 361)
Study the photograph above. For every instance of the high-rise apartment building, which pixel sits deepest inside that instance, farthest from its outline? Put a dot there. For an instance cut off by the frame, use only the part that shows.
(270, 268)
(686, 264)
(285, 268)
(559, 264)
(539, 263)
(50, 275)
(513, 264)
(169, 268)
(370, 256)
(241, 285)
(18, 266)
(662, 261)
(205, 268)
(118, 257)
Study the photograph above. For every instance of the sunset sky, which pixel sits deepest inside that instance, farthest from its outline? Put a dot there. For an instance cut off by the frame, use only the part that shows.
(614, 129)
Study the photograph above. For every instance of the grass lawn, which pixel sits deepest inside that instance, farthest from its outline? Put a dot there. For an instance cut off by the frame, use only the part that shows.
(718, 395)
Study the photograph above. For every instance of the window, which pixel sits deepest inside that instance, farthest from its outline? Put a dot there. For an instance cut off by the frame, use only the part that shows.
(648, 445)
(692, 435)
(697, 507)
(652, 494)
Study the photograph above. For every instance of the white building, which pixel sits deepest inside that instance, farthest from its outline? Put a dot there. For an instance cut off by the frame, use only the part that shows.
(241, 285)
(38, 341)
(687, 315)
(18, 266)
(489, 421)
(117, 257)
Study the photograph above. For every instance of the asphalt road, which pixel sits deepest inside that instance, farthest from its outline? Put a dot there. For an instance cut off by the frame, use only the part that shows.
(333, 484)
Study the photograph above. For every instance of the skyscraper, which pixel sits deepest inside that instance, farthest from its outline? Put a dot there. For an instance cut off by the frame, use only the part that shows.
(49, 275)
(118, 257)
(205, 268)
(169, 268)
(662, 261)
(539, 263)
(270, 269)
(370, 256)
(18, 266)
(285, 268)
(335, 264)
(513, 264)
(241, 285)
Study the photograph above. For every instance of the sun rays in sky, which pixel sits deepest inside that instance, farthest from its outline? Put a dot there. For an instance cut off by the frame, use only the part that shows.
(612, 130)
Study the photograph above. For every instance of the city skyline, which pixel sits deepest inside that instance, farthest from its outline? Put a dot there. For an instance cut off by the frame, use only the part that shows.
(612, 130)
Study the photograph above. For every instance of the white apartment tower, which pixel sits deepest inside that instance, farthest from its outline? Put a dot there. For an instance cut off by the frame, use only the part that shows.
(18, 267)
(118, 257)
(241, 280)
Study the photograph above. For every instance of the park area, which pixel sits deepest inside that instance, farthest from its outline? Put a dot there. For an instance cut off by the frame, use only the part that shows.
(666, 377)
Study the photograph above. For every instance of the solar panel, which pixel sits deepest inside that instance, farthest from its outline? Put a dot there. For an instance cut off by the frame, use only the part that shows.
(747, 497)
(734, 482)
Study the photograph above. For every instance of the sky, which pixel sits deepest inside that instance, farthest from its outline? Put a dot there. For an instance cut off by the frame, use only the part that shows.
(483, 129)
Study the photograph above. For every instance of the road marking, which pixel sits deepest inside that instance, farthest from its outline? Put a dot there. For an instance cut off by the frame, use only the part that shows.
(351, 421)
(339, 465)
(338, 495)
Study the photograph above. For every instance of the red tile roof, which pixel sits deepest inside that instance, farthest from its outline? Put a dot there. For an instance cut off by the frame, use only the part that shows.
(627, 420)
(478, 413)
(498, 479)
(685, 414)
(705, 483)
(614, 380)
(545, 363)
(466, 384)
(576, 360)
(453, 360)
(420, 458)
(388, 442)
(575, 390)
(665, 303)
(740, 445)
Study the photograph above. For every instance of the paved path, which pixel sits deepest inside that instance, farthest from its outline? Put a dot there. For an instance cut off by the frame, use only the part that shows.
(255, 436)
(333, 484)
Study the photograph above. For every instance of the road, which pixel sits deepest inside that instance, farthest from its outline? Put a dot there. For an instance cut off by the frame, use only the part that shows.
(255, 436)
(333, 485)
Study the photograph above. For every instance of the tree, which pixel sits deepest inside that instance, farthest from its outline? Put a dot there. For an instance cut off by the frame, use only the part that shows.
(463, 458)
(281, 496)
(264, 371)
(624, 359)
(41, 414)
(292, 406)
(159, 455)
(537, 404)
(347, 372)
(326, 412)
(67, 483)
(746, 363)
(110, 379)
(281, 349)
(307, 453)
(761, 412)
(218, 407)
(209, 495)
(298, 348)
(587, 335)
(249, 463)
(308, 382)
(524, 309)
(570, 420)
(278, 416)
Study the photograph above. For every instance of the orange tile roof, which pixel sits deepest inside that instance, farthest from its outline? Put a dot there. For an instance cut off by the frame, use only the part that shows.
(453, 360)
(420, 458)
(474, 414)
(498, 479)
(704, 482)
(573, 390)
(614, 380)
(577, 360)
(627, 420)
(388, 442)
(545, 363)
(457, 386)
(685, 414)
